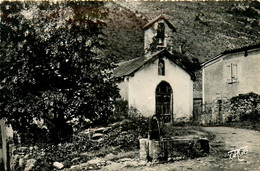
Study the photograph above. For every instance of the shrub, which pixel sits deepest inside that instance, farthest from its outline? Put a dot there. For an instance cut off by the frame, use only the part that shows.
(120, 112)
(245, 107)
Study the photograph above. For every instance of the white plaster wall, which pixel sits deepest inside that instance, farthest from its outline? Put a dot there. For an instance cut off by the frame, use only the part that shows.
(250, 73)
(215, 76)
(152, 31)
(142, 87)
(123, 89)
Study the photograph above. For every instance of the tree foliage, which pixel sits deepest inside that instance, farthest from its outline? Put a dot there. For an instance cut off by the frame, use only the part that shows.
(54, 65)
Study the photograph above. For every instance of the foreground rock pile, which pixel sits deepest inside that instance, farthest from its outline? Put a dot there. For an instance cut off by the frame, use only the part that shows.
(85, 146)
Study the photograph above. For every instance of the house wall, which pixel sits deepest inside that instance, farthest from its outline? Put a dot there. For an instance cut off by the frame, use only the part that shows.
(142, 87)
(216, 86)
(152, 31)
(248, 74)
(123, 88)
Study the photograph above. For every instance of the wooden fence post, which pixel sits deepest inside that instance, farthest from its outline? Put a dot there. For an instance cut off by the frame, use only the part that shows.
(5, 146)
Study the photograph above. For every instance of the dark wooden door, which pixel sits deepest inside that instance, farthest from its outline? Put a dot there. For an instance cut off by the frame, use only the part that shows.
(164, 102)
(197, 109)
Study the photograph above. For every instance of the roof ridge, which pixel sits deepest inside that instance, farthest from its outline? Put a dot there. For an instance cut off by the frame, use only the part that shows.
(234, 50)
(137, 63)
(161, 16)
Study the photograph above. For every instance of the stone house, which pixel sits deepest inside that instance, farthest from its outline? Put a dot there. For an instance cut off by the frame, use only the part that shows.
(229, 74)
(157, 83)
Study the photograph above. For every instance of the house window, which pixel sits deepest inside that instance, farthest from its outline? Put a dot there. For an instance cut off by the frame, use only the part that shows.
(161, 67)
(231, 73)
(160, 33)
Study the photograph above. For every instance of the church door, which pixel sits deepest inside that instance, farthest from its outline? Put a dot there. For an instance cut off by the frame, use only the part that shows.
(164, 102)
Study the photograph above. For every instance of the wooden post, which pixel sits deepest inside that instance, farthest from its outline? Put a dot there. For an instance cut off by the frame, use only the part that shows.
(4, 145)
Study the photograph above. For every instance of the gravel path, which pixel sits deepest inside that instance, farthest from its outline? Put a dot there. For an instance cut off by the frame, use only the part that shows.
(226, 139)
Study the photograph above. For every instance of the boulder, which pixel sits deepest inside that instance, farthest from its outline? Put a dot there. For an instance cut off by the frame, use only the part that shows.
(124, 160)
(29, 164)
(99, 130)
(14, 161)
(58, 165)
(131, 163)
(97, 136)
(21, 162)
(81, 166)
(107, 129)
(95, 161)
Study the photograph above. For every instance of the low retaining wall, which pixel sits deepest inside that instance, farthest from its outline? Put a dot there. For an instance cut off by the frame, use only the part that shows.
(172, 149)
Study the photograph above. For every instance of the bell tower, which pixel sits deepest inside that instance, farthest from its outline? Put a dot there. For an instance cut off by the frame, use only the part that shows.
(157, 35)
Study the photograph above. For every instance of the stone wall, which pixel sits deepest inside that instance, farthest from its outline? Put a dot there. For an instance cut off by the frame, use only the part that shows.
(238, 108)
(173, 149)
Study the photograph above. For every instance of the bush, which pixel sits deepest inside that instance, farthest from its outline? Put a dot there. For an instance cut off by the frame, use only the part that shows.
(120, 112)
(245, 107)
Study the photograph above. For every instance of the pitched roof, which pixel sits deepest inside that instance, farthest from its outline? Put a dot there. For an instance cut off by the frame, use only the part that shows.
(130, 67)
(159, 18)
(230, 51)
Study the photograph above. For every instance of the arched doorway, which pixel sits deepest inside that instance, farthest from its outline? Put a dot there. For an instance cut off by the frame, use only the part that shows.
(164, 102)
(220, 112)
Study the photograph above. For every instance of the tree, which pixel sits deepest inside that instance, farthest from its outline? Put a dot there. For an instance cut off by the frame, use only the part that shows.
(54, 66)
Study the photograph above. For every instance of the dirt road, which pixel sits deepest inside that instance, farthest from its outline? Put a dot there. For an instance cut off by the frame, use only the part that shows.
(226, 139)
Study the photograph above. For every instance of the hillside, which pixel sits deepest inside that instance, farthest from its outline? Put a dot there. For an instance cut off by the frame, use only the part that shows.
(204, 29)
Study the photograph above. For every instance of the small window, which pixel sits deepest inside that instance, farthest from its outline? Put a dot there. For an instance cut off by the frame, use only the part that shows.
(231, 73)
(161, 67)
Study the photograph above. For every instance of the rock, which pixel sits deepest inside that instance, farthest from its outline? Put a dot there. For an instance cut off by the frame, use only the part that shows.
(21, 162)
(115, 125)
(99, 130)
(97, 136)
(14, 160)
(109, 156)
(95, 161)
(149, 164)
(22, 149)
(131, 163)
(75, 159)
(123, 133)
(42, 153)
(79, 166)
(58, 165)
(107, 129)
(124, 160)
(125, 122)
(29, 164)
(100, 140)
(142, 163)
(114, 166)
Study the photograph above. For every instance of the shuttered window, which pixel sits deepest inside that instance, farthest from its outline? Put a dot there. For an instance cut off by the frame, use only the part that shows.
(232, 73)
